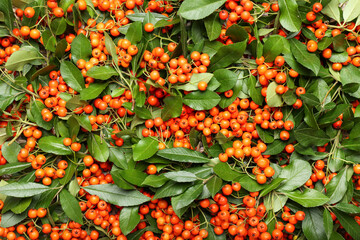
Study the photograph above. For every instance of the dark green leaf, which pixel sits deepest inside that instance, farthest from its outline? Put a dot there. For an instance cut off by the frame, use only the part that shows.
(134, 33)
(23, 189)
(10, 219)
(111, 48)
(226, 55)
(271, 186)
(52, 144)
(237, 33)
(313, 224)
(15, 167)
(328, 223)
(98, 148)
(35, 108)
(289, 15)
(226, 78)
(72, 76)
(308, 198)
(348, 223)
(195, 10)
(309, 136)
(129, 218)
(186, 198)
(145, 148)
(93, 91)
(224, 171)
(70, 206)
(117, 196)
(275, 147)
(348, 208)
(308, 60)
(183, 155)
(170, 189)
(273, 47)
(295, 174)
(11, 151)
(337, 187)
(172, 107)
(101, 73)
(6, 9)
(213, 26)
(155, 180)
(214, 185)
(249, 183)
(201, 100)
(181, 176)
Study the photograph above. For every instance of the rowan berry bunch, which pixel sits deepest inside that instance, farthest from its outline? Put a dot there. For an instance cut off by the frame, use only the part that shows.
(173, 120)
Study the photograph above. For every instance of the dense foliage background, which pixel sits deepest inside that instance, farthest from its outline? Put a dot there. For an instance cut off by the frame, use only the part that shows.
(206, 119)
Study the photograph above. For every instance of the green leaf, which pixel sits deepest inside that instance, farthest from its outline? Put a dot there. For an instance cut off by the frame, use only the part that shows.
(226, 78)
(23, 189)
(7, 11)
(255, 92)
(213, 26)
(272, 186)
(133, 176)
(337, 187)
(93, 91)
(145, 149)
(22, 205)
(71, 206)
(181, 176)
(129, 219)
(226, 55)
(335, 162)
(249, 183)
(309, 60)
(349, 74)
(295, 174)
(117, 196)
(155, 180)
(348, 223)
(170, 189)
(52, 144)
(101, 73)
(338, 57)
(111, 48)
(98, 148)
(309, 118)
(214, 185)
(348, 208)
(70, 171)
(237, 33)
(273, 47)
(11, 151)
(10, 219)
(58, 26)
(224, 171)
(201, 100)
(328, 223)
(134, 33)
(84, 122)
(11, 168)
(332, 10)
(35, 110)
(25, 55)
(289, 15)
(308, 198)
(309, 136)
(186, 198)
(264, 135)
(72, 76)
(195, 10)
(183, 155)
(192, 85)
(275, 147)
(310, 99)
(313, 224)
(351, 10)
(46, 198)
(272, 98)
(172, 107)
